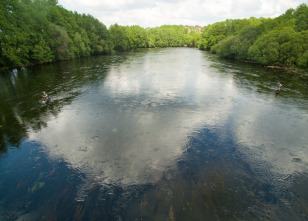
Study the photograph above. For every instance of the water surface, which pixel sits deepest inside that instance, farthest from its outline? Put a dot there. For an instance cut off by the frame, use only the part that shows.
(160, 134)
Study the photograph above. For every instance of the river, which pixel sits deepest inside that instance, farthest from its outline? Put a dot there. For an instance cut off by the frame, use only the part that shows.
(154, 134)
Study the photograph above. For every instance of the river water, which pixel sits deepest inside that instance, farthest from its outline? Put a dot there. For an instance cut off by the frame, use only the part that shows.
(158, 134)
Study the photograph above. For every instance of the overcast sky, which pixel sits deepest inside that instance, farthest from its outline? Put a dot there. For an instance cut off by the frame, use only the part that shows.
(154, 13)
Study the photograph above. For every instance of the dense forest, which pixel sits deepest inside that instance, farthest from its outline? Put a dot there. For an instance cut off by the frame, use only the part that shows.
(40, 31)
(279, 41)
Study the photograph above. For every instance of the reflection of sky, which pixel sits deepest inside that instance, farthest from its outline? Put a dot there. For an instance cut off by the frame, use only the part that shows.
(135, 123)
(276, 132)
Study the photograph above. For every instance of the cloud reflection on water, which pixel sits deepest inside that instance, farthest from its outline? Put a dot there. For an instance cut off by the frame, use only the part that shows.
(275, 133)
(135, 124)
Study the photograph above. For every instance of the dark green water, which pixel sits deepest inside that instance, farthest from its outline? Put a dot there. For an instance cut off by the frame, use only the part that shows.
(161, 134)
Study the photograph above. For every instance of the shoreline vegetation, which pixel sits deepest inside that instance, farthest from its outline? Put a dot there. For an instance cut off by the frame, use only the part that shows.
(40, 31)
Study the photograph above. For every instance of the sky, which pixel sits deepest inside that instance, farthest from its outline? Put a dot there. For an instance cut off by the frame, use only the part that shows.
(154, 13)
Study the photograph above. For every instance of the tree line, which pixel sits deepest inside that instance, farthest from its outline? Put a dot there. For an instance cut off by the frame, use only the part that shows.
(269, 41)
(40, 31)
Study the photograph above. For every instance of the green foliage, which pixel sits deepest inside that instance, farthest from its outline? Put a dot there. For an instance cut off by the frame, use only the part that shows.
(236, 46)
(137, 37)
(119, 37)
(125, 38)
(301, 17)
(284, 46)
(279, 41)
(168, 36)
(193, 39)
(303, 60)
(228, 47)
(265, 50)
(218, 31)
(40, 31)
(60, 42)
(42, 53)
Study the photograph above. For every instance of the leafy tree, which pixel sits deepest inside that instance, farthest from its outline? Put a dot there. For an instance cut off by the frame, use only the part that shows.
(193, 39)
(290, 46)
(301, 16)
(40, 31)
(60, 41)
(265, 49)
(278, 47)
(228, 47)
(42, 53)
(119, 37)
(137, 37)
(278, 41)
(167, 36)
(303, 60)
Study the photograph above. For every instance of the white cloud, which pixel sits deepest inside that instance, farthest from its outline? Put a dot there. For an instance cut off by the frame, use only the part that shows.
(190, 12)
